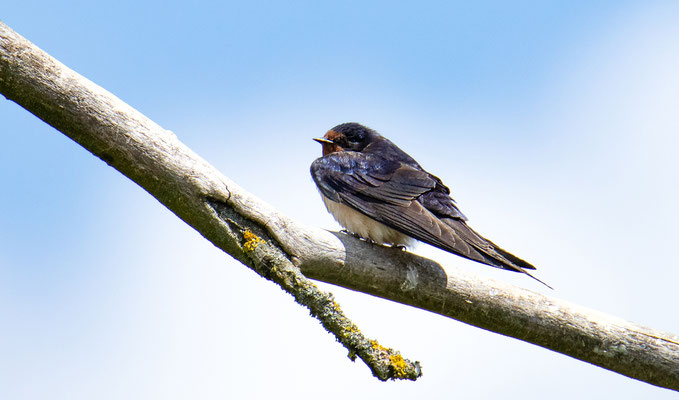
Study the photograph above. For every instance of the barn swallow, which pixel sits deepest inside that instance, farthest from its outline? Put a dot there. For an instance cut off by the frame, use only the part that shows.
(378, 192)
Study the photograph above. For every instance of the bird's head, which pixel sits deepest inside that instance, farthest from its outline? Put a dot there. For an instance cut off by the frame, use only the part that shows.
(350, 136)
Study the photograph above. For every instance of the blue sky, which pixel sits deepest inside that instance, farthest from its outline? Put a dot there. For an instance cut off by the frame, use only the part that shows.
(554, 124)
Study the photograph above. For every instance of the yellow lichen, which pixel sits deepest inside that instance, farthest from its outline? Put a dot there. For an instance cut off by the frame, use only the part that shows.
(377, 346)
(399, 365)
(351, 329)
(251, 241)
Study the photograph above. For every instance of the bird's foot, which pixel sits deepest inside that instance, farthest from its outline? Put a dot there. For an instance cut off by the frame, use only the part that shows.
(356, 235)
(401, 247)
(359, 237)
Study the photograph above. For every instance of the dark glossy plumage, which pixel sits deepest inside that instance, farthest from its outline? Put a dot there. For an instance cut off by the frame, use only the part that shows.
(369, 174)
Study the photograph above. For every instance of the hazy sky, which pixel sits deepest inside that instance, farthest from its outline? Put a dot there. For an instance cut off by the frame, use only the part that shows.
(554, 124)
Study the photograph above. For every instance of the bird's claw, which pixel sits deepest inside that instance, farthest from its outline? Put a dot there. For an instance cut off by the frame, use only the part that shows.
(357, 236)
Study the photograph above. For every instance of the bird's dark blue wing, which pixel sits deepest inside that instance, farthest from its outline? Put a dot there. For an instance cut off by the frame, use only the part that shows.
(371, 179)
(408, 199)
(390, 192)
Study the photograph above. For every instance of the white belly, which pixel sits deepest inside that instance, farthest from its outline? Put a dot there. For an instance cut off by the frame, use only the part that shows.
(364, 226)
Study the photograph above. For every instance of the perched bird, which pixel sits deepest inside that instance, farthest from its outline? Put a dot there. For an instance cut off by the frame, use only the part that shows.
(378, 192)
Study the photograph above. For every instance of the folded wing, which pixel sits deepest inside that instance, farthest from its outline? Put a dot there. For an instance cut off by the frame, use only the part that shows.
(409, 200)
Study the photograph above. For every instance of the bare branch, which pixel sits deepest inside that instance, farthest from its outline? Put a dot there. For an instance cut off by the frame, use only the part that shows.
(275, 246)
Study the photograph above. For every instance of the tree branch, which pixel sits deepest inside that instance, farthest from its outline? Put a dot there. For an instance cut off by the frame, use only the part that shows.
(156, 160)
(278, 247)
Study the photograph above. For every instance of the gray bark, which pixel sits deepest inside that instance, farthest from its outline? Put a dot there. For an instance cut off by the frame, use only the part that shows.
(278, 247)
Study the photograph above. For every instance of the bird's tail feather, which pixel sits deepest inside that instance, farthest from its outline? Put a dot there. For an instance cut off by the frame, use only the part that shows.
(511, 257)
(492, 254)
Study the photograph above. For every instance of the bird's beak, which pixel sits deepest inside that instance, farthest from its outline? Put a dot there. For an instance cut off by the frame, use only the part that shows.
(323, 140)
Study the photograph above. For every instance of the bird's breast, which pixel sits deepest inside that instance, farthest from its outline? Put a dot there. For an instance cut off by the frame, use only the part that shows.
(364, 226)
